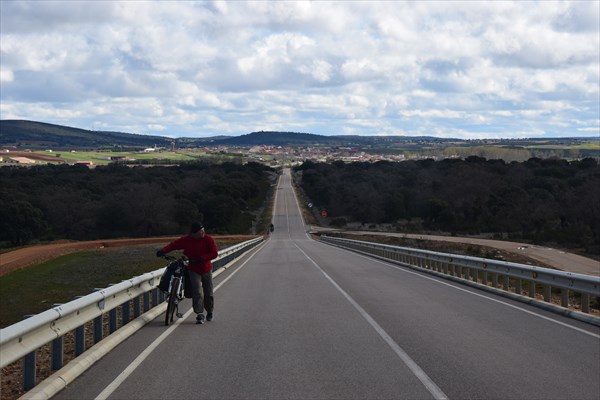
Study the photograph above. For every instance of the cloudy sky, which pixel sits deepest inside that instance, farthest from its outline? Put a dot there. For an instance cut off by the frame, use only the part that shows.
(449, 69)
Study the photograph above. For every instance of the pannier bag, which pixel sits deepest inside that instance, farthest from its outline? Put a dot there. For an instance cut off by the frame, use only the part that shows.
(165, 279)
(187, 284)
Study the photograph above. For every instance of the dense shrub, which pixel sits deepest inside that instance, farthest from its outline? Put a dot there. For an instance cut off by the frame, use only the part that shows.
(547, 201)
(74, 202)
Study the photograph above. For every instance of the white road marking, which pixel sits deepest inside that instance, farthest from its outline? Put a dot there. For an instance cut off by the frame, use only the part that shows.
(435, 391)
(139, 359)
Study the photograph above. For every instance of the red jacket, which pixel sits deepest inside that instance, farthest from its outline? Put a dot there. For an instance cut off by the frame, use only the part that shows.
(198, 251)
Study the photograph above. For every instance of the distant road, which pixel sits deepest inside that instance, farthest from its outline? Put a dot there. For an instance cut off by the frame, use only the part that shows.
(556, 258)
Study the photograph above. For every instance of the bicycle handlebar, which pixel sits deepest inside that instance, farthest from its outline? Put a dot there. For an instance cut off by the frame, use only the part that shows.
(171, 258)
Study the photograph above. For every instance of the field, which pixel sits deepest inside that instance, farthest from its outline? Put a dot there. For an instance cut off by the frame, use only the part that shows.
(107, 157)
(104, 157)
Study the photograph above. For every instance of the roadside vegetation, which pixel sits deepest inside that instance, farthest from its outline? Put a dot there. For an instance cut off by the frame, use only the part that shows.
(51, 202)
(551, 201)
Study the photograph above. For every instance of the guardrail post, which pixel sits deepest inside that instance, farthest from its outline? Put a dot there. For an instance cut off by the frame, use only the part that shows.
(564, 297)
(56, 355)
(532, 289)
(505, 282)
(126, 312)
(494, 281)
(112, 320)
(98, 321)
(146, 301)
(154, 297)
(519, 287)
(79, 340)
(547, 293)
(79, 336)
(585, 303)
(98, 329)
(136, 306)
(29, 362)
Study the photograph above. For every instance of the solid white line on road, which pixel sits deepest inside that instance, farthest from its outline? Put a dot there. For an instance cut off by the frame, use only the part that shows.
(139, 359)
(435, 391)
(404, 269)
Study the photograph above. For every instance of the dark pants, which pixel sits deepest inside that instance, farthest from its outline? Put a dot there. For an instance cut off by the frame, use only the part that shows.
(204, 282)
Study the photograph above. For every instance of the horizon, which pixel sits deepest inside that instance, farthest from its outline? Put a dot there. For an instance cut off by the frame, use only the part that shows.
(474, 70)
(592, 138)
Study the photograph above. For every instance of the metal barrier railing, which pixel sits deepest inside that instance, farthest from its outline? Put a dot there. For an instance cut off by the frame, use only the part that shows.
(22, 339)
(498, 275)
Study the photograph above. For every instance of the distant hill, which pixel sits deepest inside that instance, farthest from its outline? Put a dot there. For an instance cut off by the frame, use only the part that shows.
(39, 134)
(270, 138)
(23, 133)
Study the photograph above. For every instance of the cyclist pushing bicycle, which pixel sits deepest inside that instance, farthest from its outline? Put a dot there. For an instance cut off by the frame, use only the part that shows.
(200, 249)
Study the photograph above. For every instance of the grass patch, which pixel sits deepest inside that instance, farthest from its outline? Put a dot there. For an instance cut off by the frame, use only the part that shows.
(38, 288)
(103, 157)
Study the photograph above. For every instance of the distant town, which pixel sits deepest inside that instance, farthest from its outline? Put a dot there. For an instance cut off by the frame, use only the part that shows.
(271, 155)
(30, 143)
(277, 156)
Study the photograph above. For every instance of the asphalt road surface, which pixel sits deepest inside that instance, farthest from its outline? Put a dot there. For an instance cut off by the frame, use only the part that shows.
(298, 319)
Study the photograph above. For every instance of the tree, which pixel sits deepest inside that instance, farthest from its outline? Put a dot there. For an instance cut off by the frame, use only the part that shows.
(20, 222)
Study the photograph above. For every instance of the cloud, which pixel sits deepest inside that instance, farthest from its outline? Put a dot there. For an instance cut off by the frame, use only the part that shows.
(199, 68)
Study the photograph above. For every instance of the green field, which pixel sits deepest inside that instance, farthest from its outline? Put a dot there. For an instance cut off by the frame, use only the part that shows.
(582, 146)
(104, 157)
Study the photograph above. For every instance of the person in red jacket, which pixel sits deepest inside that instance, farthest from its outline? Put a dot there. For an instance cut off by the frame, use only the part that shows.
(200, 249)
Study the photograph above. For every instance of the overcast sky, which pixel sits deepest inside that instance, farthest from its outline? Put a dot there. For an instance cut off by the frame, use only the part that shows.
(449, 69)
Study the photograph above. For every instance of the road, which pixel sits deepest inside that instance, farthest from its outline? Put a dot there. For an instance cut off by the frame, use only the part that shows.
(298, 319)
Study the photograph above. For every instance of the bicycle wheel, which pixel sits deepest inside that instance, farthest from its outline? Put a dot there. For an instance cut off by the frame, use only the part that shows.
(172, 301)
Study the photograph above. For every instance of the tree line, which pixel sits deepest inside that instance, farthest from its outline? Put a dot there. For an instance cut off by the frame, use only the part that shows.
(74, 202)
(549, 201)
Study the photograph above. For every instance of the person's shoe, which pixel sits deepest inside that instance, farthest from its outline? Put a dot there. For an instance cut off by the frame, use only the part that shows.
(200, 319)
(209, 316)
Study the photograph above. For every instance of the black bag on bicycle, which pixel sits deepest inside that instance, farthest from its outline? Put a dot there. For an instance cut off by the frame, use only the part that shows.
(187, 284)
(165, 279)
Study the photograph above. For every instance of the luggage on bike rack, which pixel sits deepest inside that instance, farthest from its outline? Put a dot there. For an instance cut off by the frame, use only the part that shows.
(165, 279)
(187, 284)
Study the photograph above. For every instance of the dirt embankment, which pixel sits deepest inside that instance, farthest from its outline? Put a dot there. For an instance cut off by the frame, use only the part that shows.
(27, 256)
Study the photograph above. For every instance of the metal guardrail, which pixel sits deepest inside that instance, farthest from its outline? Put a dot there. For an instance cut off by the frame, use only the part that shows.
(495, 275)
(22, 339)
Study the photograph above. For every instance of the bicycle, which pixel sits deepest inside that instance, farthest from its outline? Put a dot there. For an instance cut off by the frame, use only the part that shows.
(175, 292)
